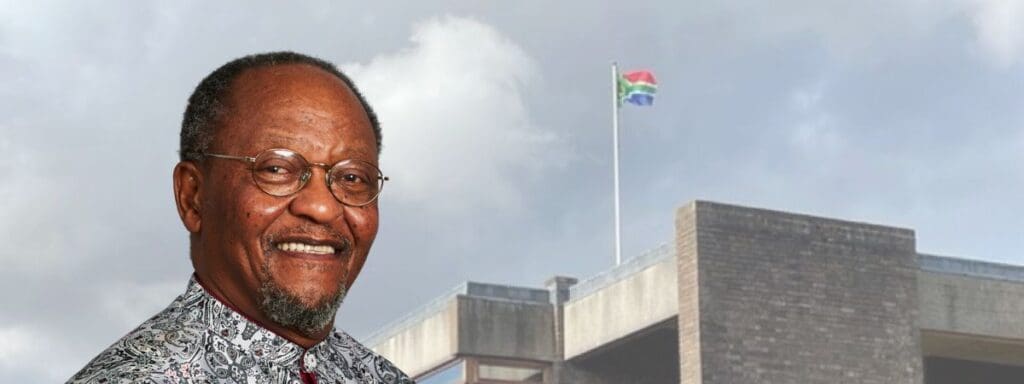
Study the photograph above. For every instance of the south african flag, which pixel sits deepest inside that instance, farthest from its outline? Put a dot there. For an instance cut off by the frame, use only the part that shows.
(637, 87)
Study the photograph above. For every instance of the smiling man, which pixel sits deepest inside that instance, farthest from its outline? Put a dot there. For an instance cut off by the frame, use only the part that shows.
(277, 187)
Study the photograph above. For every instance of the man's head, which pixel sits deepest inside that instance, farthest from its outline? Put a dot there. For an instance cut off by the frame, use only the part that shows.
(207, 102)
(286, 258)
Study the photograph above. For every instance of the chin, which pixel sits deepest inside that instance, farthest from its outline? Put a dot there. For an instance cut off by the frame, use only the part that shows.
(308, 308)
(304, 278)
(310, 287)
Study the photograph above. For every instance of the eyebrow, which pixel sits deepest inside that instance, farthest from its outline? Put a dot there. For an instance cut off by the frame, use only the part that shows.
(290, 141)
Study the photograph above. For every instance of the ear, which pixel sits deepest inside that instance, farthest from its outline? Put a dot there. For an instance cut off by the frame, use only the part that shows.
(187, 182)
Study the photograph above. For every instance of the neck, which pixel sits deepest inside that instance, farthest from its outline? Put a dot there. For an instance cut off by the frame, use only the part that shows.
(249, 309)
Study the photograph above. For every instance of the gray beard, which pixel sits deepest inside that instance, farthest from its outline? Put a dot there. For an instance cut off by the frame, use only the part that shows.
(288, 310)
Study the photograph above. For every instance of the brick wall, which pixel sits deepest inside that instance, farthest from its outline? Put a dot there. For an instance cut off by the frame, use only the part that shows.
(772, 297)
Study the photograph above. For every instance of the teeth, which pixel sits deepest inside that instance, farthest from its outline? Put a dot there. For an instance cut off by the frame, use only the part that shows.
(306, 248)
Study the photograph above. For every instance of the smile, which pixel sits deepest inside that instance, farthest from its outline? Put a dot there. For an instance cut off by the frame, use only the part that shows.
(306, 248)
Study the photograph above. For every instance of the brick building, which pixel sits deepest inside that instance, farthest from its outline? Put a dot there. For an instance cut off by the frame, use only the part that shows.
(741, 295)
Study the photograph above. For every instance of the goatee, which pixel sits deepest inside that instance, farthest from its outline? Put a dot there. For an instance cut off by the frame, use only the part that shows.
(288, 310)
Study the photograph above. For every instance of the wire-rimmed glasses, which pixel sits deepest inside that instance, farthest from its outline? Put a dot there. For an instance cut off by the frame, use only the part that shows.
(282, 172)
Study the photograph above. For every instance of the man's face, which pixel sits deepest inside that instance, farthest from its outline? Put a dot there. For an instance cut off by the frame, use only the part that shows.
(311, 112)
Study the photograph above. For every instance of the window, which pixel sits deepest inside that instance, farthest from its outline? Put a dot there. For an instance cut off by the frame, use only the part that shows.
(454, 373)
(510, 374)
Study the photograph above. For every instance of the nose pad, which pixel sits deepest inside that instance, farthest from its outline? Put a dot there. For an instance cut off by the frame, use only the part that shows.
(305, 177)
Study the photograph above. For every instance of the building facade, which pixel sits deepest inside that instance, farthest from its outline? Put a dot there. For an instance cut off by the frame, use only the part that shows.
(741, 295)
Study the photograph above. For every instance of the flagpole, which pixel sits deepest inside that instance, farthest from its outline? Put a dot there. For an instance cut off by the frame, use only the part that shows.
(615, 160)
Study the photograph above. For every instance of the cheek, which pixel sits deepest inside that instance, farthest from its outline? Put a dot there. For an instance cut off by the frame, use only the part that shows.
(362, 222)
(258, 212)
(259, 208)
(249, 214)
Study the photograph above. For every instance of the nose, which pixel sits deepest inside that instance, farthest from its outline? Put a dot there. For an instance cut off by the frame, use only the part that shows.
(314, 201)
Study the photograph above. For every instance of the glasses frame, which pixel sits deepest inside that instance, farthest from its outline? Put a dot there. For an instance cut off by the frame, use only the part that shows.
(307, 173)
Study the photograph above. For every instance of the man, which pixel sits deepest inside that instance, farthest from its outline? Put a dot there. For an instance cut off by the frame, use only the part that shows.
(277, 187)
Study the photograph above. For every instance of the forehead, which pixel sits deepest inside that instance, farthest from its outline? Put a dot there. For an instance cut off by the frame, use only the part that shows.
(295, 106)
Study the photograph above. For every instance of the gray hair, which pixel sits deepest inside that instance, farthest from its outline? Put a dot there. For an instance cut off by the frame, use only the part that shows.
(288, 310)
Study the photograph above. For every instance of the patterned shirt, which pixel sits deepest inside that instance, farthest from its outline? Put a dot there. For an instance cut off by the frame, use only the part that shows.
(198, 339)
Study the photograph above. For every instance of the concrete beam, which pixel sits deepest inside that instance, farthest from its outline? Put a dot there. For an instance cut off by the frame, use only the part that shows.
(425, 344)
(972, 348)
(969, 305)
(621, 308)
(506, 329)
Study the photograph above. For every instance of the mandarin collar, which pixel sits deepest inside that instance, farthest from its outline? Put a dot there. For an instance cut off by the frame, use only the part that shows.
(246, 334)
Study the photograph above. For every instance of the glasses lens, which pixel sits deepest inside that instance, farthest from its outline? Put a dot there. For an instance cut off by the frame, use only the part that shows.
(355, 182)
(280, 172)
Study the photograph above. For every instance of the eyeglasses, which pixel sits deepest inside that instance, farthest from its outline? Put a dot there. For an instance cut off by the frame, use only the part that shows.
(282, 172)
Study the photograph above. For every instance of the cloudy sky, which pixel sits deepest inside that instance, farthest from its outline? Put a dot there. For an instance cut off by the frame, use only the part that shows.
(496, 123)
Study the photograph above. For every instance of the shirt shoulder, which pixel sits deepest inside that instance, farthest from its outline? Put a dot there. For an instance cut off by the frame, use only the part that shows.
(366, 363)
(163, 349)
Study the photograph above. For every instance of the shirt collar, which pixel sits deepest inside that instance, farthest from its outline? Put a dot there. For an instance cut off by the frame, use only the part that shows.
(240, 331)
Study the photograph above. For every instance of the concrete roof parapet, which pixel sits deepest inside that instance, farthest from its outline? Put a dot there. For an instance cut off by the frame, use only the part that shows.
(507, 292)
(414, 316)
(499, 292)
(653, 256)
(972, 268)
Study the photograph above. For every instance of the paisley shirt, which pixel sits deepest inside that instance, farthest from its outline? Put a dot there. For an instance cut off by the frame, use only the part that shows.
(198, 339)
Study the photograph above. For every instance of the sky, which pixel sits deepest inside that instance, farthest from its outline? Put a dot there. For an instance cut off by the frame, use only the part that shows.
(497, 138)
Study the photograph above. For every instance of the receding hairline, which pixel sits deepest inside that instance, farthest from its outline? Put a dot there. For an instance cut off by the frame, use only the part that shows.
(206, 104)
(231, 94)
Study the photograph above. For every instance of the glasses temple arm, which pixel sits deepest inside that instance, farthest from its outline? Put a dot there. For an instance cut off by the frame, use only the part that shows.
(243, 158)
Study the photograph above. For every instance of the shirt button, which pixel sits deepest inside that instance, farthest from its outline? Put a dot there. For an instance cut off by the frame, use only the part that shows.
(310, 361)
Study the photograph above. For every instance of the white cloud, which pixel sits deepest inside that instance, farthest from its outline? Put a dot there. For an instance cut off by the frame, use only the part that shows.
(458, 135)
(39, 207)
(14, 342)
(999, 30)
(817, 134)
(131, 303)
(869, 31)
(853, 31)
(814, 132)
(30, 352)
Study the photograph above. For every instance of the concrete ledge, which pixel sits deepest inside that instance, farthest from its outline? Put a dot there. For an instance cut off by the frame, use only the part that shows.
(972, 268)
(627, 268)
(469, 288)
(471, 318)
(621, 307)
(421, 346)
(506, 329)
(972, 347)
(969, 305)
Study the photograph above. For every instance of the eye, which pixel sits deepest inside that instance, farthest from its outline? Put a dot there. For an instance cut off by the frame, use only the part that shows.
(353, 178)
(274, 169)
(277, 171)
